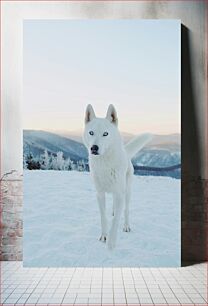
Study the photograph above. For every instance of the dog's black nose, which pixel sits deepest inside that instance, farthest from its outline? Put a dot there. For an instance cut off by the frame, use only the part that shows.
(94, 149)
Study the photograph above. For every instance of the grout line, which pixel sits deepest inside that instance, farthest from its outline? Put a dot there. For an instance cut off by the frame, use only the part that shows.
(146, 285)
(135, 287)
(69, 286)
(123, 284)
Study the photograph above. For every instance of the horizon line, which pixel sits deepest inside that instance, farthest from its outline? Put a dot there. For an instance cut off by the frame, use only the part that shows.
(79, 131)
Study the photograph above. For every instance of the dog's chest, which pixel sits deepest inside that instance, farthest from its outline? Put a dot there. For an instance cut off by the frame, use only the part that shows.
(105, 175)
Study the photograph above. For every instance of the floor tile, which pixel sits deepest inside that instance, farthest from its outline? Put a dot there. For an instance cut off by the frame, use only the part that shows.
(40, 286)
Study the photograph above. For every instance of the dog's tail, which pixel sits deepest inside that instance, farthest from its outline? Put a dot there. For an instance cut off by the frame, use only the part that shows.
(137, 143)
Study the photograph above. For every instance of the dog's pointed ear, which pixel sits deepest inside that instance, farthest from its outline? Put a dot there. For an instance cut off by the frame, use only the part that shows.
(89, 114)
(112, 115)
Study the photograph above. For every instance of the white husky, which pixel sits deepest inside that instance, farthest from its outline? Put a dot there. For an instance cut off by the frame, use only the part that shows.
(111, 167)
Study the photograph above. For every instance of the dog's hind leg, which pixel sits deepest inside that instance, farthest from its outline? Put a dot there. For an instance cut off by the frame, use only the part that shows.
(101, 202)
(113, 209)
(126, 227)
(129, 178)
(118, 200)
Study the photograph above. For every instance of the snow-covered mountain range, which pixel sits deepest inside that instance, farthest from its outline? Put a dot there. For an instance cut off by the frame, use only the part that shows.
(36, 142)
(162, 151)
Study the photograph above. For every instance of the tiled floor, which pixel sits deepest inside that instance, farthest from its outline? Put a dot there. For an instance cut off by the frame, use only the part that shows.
(96, 286)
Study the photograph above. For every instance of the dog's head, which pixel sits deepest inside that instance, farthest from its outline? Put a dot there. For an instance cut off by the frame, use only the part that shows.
(100, 133)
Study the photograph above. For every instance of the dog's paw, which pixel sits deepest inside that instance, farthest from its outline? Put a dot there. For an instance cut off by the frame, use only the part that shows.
(103, 238)
(126, 229)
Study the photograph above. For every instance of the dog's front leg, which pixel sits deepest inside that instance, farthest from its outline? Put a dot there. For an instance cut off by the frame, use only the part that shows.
(118, 204)
(101, 202)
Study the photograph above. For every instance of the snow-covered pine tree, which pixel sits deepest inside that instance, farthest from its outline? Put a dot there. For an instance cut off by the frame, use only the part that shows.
(81, 165)
(60, 161)
(32, 163)
(50, 165)
(73, 165)
(45, 161)
(54, 162)
(68, 164)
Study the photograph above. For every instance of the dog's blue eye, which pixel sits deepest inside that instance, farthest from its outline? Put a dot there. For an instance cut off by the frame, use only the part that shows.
(91, 132)
(105, 134)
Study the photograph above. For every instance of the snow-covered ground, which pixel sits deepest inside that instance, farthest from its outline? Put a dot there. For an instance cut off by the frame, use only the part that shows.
(62, 222)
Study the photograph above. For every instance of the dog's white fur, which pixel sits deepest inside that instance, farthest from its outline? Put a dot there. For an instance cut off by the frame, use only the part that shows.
(111, 168)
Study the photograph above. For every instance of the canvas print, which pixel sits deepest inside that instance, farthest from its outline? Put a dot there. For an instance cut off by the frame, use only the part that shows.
(101, 143)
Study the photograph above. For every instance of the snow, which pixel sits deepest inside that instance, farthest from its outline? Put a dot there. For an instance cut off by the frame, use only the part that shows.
(62, 222)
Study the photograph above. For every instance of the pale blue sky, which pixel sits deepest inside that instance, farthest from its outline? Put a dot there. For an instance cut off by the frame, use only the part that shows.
(134, 64)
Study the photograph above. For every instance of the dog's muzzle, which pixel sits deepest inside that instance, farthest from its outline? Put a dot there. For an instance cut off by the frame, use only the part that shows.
(94, 150)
